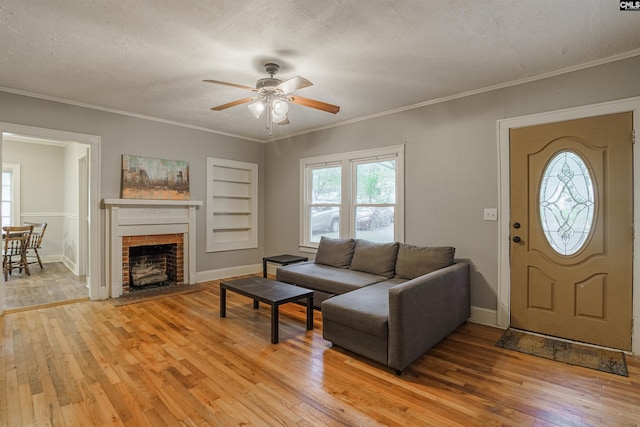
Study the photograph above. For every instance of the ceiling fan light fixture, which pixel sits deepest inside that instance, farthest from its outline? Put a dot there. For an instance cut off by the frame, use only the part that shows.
(280, 107)
(257, 108)
(275, 118)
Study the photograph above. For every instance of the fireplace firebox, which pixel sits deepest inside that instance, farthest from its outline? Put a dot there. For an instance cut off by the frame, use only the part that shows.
(152, 260)
(152, 265)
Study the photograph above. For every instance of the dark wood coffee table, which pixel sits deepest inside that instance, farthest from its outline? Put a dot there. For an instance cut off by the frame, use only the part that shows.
(269, 292)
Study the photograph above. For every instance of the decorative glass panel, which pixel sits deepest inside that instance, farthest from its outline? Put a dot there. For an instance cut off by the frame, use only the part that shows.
(566, 202)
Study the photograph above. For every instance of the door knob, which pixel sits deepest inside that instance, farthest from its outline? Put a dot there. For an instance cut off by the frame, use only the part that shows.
(517, 239)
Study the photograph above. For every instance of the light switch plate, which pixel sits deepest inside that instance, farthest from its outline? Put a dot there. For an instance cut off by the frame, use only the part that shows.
(490, 214)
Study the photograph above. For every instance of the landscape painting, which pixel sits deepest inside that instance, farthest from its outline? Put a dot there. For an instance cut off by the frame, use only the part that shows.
(157, 179)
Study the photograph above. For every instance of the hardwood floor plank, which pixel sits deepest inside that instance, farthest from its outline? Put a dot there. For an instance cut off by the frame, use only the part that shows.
(175, 362)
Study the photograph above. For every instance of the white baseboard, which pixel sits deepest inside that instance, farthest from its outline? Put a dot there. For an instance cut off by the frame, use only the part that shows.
(205, 276)
(484, 316)
(51, 258)
(70, 265)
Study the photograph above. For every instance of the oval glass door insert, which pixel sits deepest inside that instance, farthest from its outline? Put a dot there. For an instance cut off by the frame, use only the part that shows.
(567, 202)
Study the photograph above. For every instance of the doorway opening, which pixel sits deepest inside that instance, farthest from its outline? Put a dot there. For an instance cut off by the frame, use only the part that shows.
(59, 173)
(50, 189)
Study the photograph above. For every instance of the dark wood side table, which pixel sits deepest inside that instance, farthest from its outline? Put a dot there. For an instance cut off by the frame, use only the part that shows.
(269, 292)
(282, 260)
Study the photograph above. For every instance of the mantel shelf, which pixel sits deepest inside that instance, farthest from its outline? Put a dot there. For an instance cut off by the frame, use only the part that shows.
(147, 202)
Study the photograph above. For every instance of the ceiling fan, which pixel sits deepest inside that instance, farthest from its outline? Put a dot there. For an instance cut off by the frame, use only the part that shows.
(274, 96)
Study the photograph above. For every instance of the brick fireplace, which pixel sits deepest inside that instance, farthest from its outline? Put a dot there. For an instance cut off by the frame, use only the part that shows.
(134, 223)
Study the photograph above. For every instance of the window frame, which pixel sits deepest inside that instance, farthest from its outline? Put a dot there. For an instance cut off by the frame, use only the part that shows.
(14, 169)
(348, 163)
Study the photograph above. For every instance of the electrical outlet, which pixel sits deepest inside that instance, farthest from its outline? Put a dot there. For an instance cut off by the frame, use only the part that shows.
(490, 214)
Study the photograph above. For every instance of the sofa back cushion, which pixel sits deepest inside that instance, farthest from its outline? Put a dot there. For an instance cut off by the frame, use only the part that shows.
(414, 261)
(375, 258)
(335, 252)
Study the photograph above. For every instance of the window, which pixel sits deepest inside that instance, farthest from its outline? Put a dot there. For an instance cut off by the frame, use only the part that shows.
(10, 194)
(358, 194)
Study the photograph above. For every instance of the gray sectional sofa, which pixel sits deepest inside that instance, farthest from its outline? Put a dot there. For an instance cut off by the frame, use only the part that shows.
(389, 302)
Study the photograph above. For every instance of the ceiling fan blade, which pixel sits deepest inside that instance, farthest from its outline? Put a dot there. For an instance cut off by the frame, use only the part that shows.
(232, 104)
(230, 84)
(318, 105)
(293, 84)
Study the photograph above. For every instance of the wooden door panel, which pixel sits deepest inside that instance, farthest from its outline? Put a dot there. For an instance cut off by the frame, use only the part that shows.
(540, 292)
(590, 297)
(583, 294)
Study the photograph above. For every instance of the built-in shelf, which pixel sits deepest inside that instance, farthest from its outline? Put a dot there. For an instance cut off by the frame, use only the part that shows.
(231, 229)
(231, 181)
(232, 213)
(232, 205)
(232, 197)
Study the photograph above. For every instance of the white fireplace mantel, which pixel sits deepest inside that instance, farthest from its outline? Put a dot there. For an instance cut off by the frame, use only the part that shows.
(140, 217)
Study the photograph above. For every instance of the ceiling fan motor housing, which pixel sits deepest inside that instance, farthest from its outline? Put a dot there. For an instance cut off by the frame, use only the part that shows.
(267, 83)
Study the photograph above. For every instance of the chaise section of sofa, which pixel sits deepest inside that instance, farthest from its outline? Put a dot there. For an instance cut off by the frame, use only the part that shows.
(395, 325)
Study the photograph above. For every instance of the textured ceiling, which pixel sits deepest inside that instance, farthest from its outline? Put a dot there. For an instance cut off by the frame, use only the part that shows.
(370, 56)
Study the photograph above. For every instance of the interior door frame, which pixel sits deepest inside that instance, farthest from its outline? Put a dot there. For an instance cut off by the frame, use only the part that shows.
(83, 213)
(503, 314)
(96, 290)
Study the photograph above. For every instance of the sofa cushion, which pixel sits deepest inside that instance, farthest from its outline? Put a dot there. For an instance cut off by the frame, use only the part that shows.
(414, 261)
(375, 258)
(365, 310)
(335, 252)
(325, 278)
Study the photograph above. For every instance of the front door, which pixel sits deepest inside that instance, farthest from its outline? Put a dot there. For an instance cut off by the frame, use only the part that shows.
(571, 229)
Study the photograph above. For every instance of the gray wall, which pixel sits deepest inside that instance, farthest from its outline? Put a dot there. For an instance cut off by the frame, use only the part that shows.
(129, 135)
(451, 166)
(451, 169)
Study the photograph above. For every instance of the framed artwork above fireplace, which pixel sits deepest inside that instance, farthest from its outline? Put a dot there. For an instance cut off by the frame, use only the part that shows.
(155, 179)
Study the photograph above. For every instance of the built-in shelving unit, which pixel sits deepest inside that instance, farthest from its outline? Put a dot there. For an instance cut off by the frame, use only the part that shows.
(232, 205)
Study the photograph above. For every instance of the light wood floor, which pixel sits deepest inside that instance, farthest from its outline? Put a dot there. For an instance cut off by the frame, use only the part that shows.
(50, 285)
(175, 362)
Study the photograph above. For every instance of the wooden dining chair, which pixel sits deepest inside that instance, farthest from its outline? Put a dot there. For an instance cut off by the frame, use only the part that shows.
(14, 249)
(35, 242)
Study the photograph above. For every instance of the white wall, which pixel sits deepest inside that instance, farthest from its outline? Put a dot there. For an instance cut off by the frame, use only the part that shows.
(451, 170)
(71, 152)
(41, 190)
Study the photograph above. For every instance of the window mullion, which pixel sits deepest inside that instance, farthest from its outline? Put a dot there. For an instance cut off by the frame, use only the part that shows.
(345, 208)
